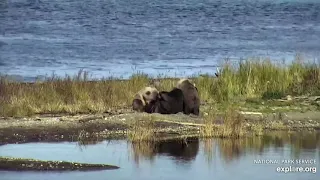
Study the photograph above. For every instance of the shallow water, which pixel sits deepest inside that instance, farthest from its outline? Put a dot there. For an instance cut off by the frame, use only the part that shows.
(199, 159)
(173, 38)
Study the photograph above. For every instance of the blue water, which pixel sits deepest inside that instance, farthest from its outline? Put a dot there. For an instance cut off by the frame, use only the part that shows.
(208, 159)
(168, 37)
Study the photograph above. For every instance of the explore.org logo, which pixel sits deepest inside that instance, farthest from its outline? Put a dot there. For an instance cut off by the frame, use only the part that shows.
(290, 163)
(296, 169)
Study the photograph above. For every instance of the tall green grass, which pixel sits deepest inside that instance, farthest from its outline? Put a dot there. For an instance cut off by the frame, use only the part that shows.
(261, 78)
(76, 94)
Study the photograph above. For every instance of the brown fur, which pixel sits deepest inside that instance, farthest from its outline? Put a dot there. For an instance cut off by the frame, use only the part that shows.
(167, 102)
(191, 97)
(143, 98)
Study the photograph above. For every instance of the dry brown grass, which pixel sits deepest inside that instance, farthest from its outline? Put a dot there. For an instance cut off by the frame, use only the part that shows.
(252, 78)
(142, 130)
(231, 124)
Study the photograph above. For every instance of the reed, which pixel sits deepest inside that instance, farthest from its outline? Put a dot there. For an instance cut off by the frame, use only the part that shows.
(230, 124)
(142, 130)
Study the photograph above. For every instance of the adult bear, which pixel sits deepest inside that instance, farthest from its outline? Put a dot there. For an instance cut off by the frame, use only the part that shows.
(143, 98)
(167, 102)
(191, 97)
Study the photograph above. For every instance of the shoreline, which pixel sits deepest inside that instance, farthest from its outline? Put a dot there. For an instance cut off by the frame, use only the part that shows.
(23, 164)
(87, 127)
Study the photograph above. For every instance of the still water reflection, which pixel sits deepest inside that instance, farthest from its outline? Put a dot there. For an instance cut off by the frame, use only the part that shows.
(178, 159)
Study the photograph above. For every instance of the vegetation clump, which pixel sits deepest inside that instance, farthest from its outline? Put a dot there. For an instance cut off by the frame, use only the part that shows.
(229, 124)
(142, 130)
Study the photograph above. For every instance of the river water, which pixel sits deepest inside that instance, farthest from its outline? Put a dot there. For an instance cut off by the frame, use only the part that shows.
(249, 158)
(158, 37)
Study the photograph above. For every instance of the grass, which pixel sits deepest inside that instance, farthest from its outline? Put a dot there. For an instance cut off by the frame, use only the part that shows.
(276, 105)
(258, 129)
(231, 124)
(77, 94)
(142, 130)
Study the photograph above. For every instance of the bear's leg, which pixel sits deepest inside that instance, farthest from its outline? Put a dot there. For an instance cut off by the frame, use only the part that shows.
(186, 110)
(196, 111)
(137, 105)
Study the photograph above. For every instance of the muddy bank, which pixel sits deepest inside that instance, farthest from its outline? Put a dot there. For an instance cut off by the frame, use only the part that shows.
(112, 126)
(78, 127)
(19, 164)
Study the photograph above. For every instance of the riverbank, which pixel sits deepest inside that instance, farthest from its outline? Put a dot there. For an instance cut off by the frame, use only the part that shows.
(251, 98)
(142, 126)
(252, 117)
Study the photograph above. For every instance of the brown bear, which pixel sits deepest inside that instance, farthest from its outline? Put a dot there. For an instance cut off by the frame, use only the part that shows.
(143, 98)
(191, 97)
(167, 102)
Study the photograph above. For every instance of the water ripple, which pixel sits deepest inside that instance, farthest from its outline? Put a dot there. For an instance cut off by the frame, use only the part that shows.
(66, 35)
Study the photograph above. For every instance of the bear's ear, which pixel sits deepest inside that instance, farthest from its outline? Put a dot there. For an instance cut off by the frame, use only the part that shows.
(148, 93)
(155, 83)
